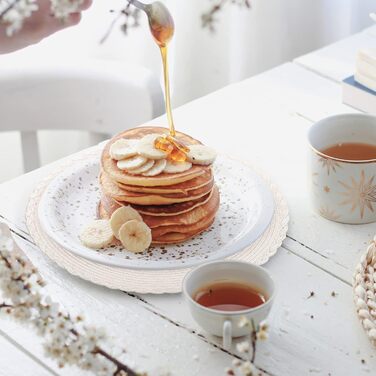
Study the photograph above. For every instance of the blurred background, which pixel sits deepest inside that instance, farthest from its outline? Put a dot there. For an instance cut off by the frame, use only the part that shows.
(246, 42)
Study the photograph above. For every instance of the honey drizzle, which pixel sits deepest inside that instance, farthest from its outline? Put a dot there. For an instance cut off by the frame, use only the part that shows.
(176, 150)
(164, 53)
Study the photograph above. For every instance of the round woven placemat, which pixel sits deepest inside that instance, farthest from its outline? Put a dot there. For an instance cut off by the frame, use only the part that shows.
(146, 281)
(364, 284)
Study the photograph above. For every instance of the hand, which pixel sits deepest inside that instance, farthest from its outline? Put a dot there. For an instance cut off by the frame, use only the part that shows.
(39, 25)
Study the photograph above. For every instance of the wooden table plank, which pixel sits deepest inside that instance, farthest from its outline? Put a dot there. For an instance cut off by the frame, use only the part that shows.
(15, 362)
(337, 61)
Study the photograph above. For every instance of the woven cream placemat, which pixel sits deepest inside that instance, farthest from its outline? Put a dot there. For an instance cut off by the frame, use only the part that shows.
(146, 281)
(364, 284)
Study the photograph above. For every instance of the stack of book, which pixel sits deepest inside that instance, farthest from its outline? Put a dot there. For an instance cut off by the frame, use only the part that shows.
(359, 90)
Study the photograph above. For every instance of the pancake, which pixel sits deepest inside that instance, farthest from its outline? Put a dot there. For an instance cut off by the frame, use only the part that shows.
(173, 209)
(188, 218)
(109, 188)
(198, 214)
(183, 229)
(161, 210)
(102, 213)
(169, 238)
(109, 204)
(172, 238)
(175, 237)
(164, 179)
(184, 187)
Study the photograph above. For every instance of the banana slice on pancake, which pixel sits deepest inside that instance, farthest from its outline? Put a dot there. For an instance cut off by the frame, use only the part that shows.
(123, 149)
(135, 236)
(201, 155)
(131, 163)
(173, 167)
(147, 149)
(145, 167)
(157, 169)
(97, 234)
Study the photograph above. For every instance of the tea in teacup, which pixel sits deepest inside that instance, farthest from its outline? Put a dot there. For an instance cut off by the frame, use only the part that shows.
(229, 296)
(351, 151)
(343, 168)
(221, 293)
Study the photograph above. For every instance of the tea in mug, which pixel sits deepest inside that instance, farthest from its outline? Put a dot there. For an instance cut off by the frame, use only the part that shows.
(229, 296)
(352, 151)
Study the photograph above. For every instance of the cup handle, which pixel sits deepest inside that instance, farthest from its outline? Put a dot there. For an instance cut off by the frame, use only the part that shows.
(227, 334)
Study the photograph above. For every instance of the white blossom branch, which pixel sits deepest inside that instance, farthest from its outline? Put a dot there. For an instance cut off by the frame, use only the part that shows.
(14, 13)
(248, 348)
(67, 339)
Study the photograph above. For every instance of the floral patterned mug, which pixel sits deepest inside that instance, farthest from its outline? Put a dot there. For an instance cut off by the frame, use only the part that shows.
(343, 190)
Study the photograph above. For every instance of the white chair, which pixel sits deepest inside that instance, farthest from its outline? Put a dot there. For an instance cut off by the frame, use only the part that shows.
(101, 97)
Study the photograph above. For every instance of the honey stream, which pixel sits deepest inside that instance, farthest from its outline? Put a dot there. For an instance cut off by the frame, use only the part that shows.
(162, 35)
(166, 76)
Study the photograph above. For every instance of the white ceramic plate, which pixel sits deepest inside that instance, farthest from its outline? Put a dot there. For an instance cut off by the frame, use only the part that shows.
(70, 202)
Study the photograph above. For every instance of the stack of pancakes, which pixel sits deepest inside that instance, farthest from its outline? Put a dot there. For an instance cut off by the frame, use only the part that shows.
(176, 206)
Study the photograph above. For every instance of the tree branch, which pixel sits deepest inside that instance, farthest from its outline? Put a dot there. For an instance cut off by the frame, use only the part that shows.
(4, 305)
(120, 366)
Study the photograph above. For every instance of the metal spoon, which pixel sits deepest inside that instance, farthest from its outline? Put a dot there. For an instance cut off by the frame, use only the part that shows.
(161, 22)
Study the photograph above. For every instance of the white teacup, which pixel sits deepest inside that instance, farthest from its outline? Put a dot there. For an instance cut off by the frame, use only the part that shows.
(343, 190)
(226, 323)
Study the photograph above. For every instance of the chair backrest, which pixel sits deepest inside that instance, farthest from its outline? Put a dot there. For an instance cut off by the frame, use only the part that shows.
(103, 97)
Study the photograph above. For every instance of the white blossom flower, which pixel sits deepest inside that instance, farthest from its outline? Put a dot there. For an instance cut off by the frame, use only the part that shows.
(90, 362)
(49, 309)
(248, 369)
(262, 335)
(93, 336)
(236, 363)
(6, 244)
(21, 313)
(243, 347)
(63, 8)
(244, 322)
(40, 326)
(13, 290)
(17, 13)
(264, 326)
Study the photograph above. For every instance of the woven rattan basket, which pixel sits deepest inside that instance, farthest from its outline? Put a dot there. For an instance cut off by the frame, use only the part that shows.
(365, 291)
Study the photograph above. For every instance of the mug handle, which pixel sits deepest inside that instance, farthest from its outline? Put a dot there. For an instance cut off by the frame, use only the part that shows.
(227, 334)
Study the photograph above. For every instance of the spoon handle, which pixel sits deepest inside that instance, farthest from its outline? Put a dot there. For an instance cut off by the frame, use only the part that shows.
(138, 5)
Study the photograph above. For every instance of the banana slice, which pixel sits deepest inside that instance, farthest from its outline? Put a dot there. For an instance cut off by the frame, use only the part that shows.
(123, 149)
(173, 167)
(157, 169)
(201, 155)
(97, 234)
(135, 236)
(146, 147)
(121, 216)
(145, 167)
(131, 163)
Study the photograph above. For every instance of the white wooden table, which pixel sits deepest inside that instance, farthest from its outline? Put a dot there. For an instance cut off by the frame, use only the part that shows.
(266, 118)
